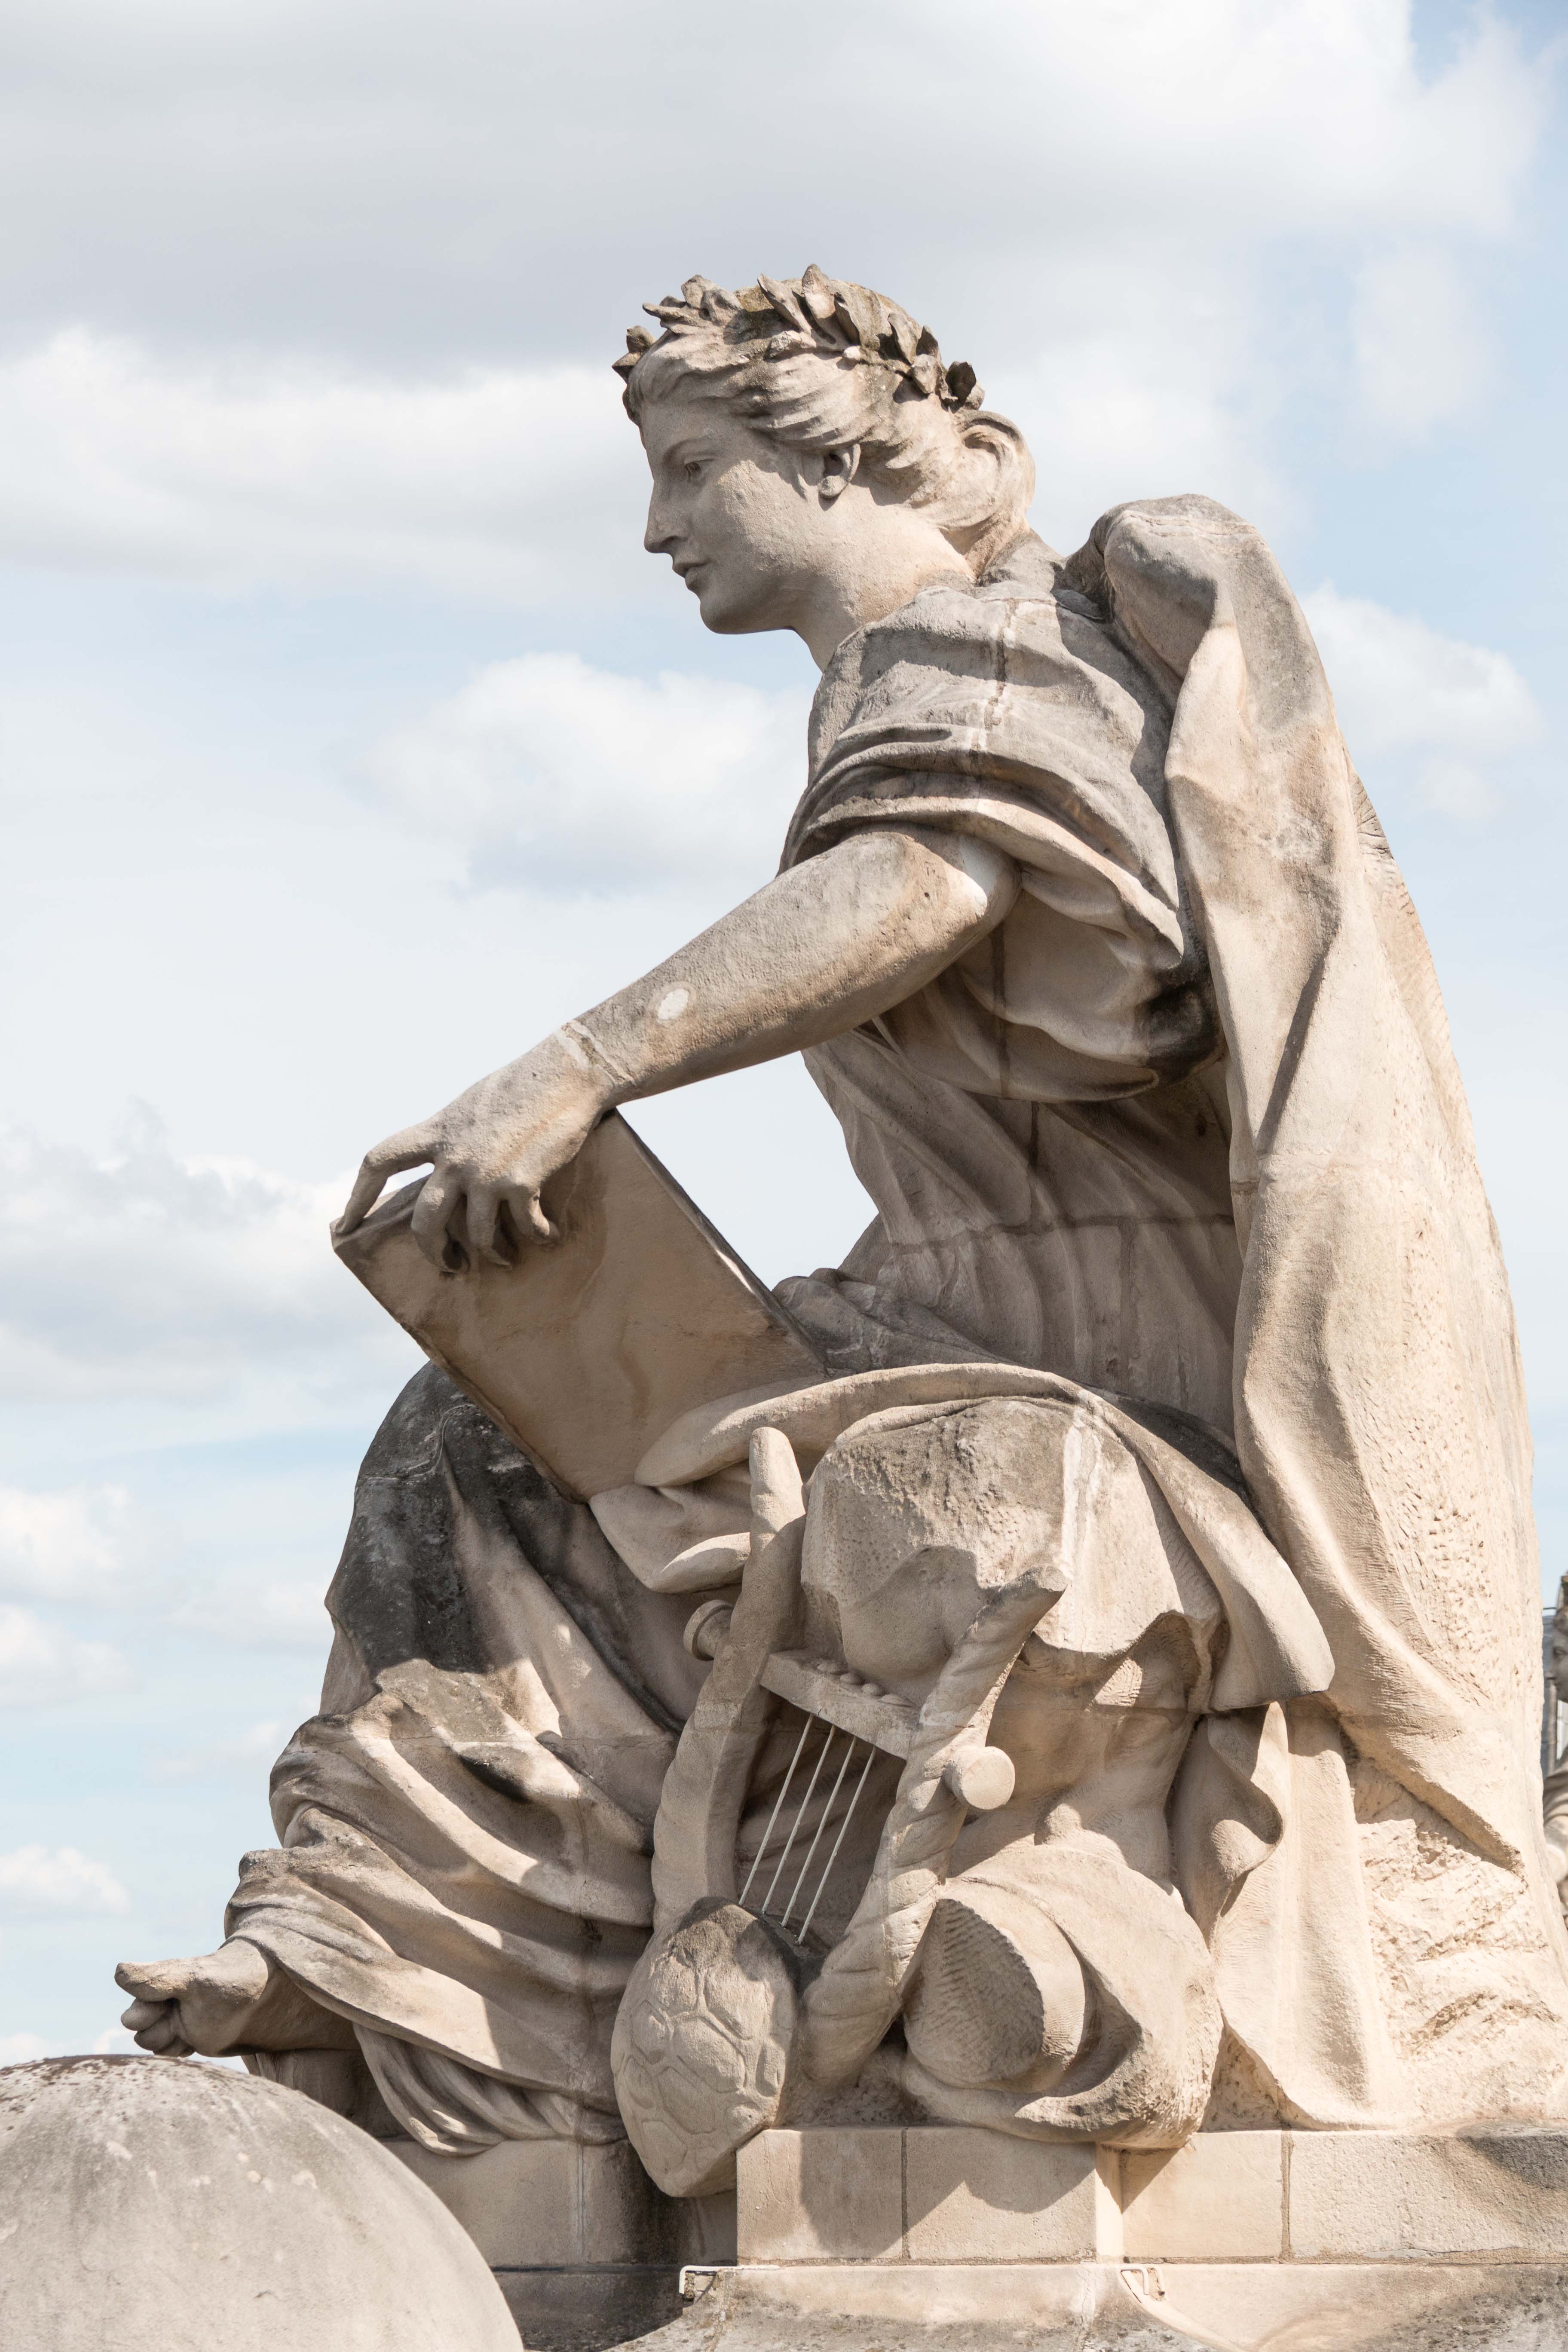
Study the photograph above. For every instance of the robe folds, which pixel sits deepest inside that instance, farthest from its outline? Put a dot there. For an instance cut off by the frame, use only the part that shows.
(1181, 1140)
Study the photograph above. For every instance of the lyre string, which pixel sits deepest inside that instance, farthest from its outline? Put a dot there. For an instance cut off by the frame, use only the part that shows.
(801, 1810)
(822, 1824)
(827, 1865)
(772, 1817)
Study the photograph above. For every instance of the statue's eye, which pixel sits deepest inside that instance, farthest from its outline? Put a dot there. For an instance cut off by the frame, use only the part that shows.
(692, 470)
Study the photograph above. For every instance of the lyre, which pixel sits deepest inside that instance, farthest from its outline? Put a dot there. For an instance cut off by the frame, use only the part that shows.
(731, 1996)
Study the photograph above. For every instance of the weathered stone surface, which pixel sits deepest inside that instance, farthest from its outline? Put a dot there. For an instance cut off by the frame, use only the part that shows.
(531, 2202)
(585, 2248)
(1269, 2197)
(147, 2206)
(1381, 2194)
(973, 2196)
(586, 1353)
(1219, 2198)
(1127, 2307)
(821, 2196)
(592, 2309)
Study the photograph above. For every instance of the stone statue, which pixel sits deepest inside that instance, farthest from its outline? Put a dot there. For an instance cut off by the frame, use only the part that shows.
(1159, 1525)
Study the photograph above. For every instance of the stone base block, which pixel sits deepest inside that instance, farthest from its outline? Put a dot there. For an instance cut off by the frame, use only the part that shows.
(946, 2194)
(585, 2250)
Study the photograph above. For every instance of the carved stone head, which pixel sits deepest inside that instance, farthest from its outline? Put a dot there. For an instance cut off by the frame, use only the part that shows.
(833, 383)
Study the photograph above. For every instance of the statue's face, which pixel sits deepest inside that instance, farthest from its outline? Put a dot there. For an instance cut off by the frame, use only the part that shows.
(745, 523)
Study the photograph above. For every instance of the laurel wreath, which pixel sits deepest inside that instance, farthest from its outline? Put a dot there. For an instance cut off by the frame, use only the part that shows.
(830, 316)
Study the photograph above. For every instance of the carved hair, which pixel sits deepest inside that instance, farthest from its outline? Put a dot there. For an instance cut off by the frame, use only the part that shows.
(820, 364)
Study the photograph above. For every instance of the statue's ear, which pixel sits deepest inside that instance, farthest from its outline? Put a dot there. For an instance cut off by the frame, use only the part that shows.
(840, 467)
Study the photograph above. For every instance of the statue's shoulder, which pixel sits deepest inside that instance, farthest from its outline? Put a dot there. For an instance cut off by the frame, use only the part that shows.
(926, 674)
(1189, 531)
(1189, 514)
(953, 612)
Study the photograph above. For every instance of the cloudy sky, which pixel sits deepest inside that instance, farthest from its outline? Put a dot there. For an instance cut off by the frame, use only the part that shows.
(348, 740)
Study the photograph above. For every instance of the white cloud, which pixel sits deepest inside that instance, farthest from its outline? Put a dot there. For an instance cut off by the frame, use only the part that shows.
(57, 1881)
(266, 1613)
(1421, 348)
(90, 1544)
(16, 2049)
(43, 1665)
(1457, 712)
(1137, 408)
(549, 772)
(354, 172)
(103, 1547)
(247, 1756)
(496, 482)
(520, 184)
(146, 1273)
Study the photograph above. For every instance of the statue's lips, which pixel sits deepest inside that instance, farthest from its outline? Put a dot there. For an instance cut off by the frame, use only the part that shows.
(687, 573)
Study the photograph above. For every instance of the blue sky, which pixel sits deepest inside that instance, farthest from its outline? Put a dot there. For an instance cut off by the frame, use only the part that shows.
(348, 742)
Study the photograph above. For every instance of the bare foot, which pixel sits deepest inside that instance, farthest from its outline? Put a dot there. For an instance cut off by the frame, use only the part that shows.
(180, 2006)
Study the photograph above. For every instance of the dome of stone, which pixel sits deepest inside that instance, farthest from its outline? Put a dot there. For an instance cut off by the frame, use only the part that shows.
(157, 2205)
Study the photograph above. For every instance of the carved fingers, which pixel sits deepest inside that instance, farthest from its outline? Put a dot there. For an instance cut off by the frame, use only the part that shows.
(491, 1152)
(498, 1215)
(463, 1208)
(410, 1148)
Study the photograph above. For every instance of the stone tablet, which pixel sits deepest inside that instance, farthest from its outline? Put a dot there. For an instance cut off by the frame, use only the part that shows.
(586, 1351)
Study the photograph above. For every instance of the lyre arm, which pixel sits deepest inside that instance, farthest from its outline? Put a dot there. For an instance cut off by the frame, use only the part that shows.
(705, 1788)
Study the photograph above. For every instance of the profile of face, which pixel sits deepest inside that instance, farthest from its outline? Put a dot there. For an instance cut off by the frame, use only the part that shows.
(752, 526)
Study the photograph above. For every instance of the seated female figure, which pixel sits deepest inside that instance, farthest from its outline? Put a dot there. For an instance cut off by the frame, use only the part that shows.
(1091, 941)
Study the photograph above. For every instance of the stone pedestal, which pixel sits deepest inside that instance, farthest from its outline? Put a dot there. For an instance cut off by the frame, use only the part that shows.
(1240, 2240)
(956, 2239)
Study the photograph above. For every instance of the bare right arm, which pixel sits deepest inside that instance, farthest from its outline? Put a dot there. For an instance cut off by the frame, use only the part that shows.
(826, 945)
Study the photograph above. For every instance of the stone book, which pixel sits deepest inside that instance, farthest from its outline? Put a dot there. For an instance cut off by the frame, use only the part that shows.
(586, 1350)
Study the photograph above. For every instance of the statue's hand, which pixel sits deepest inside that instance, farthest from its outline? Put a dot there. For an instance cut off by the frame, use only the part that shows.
(492, 1149)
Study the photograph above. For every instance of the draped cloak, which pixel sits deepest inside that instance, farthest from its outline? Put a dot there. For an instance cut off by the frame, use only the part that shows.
(1185, 1133)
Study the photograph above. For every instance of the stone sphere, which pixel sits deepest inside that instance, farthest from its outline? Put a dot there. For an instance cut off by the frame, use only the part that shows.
(159, 2205)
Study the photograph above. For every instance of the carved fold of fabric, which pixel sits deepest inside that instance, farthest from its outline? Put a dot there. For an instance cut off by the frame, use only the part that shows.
(1267, 1853)
(454, 2111)
(1276, 1649)
(1380, 1421)
(1093, 1238)
(464, 1831)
